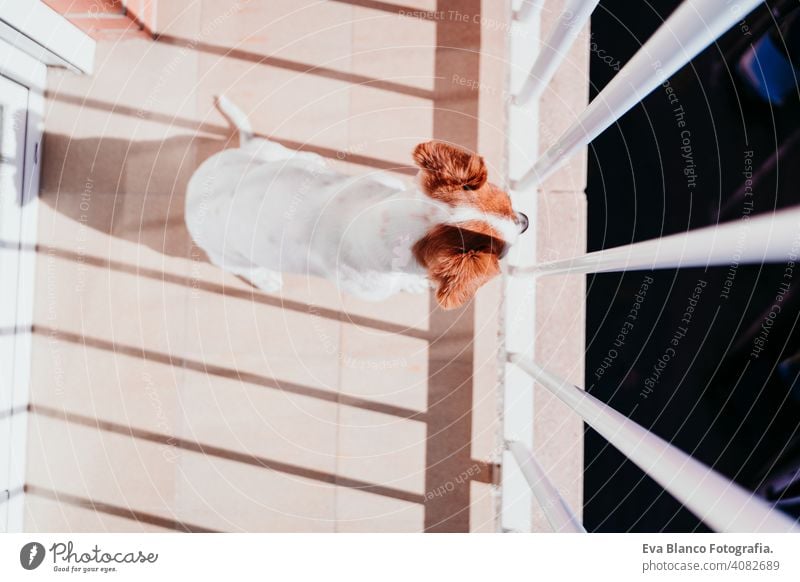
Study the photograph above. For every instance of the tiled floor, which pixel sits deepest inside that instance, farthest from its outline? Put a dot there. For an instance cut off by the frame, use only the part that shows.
(170, 395)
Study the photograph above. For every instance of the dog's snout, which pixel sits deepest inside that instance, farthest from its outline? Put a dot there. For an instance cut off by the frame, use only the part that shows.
(522, 222)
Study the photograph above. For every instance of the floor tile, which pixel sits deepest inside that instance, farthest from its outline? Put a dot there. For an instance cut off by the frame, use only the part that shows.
(382, 449)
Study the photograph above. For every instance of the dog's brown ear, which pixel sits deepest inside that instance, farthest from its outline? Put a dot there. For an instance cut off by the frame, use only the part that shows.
(448, 167)
(459, 260)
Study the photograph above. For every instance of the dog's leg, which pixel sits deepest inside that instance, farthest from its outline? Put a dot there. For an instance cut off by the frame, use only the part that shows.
(417, 285)
(265, 279)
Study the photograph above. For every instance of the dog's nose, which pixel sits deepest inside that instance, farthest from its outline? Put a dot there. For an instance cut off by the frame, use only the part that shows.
(522, 222)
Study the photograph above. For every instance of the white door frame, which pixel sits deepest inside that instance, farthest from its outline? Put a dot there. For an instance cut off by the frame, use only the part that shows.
(30, 73)
(40, 31)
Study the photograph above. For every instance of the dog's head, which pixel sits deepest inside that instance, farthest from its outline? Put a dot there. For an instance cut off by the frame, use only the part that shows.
(464, 254)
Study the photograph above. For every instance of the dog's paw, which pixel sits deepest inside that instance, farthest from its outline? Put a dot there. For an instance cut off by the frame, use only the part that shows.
(418, 286)
(266, 280)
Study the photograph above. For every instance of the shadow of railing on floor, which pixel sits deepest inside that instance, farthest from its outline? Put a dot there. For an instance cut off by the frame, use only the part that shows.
(228, 373)
(115, 510)
(228, 291)
(227, 454)
(226, 132)
(451, 356)
(295, 66)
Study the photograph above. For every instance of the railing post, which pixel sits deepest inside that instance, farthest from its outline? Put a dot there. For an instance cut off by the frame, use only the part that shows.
(558, 513)
(693, 26)
(772, 237)
(555, 48)
(718, 502)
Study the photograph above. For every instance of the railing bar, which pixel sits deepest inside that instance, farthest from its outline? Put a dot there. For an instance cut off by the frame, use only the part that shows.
(771, 237)
(677, 472)
(689, 29)
(555, 48)
(557, 511)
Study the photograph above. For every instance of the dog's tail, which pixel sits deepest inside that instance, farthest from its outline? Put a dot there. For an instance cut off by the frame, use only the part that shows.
(237, 117)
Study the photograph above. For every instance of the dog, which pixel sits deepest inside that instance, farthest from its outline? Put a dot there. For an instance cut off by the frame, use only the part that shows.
(262, 210)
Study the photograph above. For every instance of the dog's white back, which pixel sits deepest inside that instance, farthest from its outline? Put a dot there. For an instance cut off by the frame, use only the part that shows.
(264, 207)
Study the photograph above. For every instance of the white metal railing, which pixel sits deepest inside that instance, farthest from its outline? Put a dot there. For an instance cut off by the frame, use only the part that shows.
(721, 504)
(771, 237)
(718, 502)
(558, 513)
(693, 26)
(570, 22)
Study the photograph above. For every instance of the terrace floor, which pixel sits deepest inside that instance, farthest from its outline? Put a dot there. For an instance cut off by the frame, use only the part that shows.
(169, 395)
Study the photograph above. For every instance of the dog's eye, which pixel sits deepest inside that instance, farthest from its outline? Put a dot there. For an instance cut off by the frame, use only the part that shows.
(468, 187)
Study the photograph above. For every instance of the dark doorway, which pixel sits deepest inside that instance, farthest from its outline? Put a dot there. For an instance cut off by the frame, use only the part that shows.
(727, 390)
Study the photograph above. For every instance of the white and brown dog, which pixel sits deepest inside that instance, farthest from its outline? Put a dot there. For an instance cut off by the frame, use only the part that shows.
(261, 210)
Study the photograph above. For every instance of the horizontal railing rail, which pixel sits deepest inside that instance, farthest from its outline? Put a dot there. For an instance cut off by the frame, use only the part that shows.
(570, 22)
(771, 237)
(718, 502)
(693, 26)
